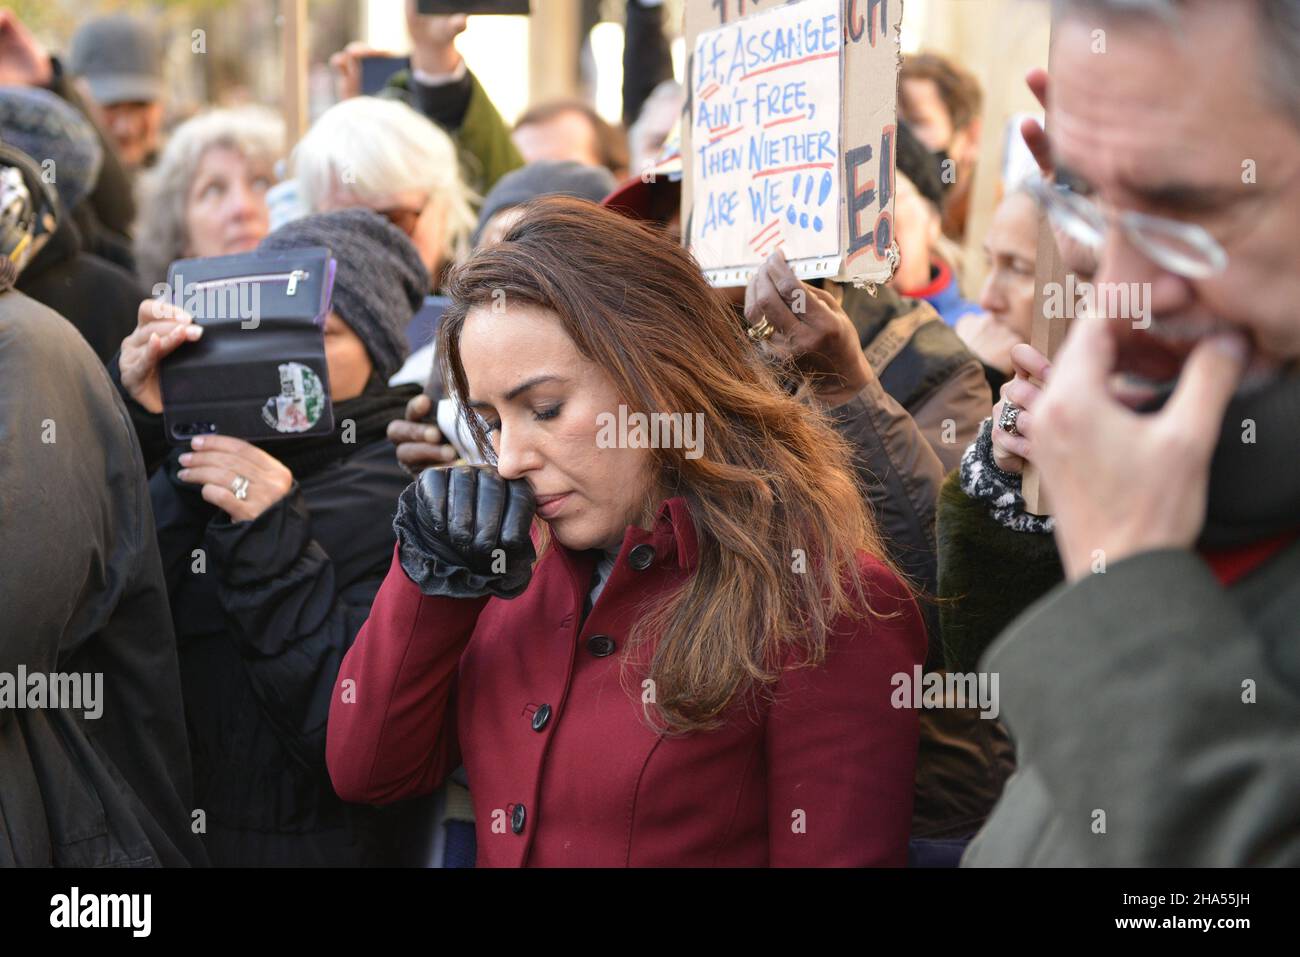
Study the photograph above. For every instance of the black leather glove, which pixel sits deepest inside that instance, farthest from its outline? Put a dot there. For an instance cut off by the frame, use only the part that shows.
(463, 532)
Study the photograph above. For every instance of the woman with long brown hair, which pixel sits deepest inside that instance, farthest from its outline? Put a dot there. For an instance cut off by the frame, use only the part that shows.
(695, 665)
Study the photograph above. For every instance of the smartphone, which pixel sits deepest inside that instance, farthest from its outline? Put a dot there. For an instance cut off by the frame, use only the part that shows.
(423, 327)
(376, 71)
(259, 371)
(494, 7)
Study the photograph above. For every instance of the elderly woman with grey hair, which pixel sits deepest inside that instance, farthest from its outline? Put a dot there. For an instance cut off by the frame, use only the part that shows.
(383, 155)
(207, 194)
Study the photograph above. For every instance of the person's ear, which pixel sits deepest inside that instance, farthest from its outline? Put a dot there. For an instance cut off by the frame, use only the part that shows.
(971, 140)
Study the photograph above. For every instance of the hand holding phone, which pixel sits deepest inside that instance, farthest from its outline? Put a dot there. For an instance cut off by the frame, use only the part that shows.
(160, 329)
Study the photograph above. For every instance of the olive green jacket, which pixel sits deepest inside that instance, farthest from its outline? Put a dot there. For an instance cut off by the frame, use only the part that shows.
(464, 111)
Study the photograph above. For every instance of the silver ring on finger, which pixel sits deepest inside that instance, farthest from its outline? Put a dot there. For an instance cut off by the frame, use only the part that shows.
(239, 485)
(1007, 420)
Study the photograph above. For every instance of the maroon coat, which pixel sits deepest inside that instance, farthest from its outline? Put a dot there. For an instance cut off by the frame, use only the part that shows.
(563, 768)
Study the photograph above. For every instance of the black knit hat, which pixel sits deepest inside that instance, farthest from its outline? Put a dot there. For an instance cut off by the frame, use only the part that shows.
(544, 178)
(46, 128)
(380, 282)
(919, 165)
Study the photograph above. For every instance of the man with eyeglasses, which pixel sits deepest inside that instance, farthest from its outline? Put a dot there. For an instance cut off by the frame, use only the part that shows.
(1154, 696)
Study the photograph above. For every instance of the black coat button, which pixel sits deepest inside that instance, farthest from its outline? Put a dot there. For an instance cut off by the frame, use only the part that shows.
(517, 817)
(641, 557)
(600, 646)
(541, 716)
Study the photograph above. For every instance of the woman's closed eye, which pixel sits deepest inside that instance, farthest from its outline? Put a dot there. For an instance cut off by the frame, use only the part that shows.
(491, 424)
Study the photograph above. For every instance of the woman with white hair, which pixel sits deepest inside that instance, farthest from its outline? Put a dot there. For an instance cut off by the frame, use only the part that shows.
(383, 155)
(207, 194)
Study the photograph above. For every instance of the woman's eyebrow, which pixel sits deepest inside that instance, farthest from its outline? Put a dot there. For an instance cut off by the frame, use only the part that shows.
(529, 383)
(516, 391)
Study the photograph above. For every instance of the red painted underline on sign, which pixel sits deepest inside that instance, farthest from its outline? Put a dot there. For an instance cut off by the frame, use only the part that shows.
(793, 169)
(782, 66)
(774, 222)
(788, 119)
(722, 136)
(780, 241)
(854, 255)
(709, 90)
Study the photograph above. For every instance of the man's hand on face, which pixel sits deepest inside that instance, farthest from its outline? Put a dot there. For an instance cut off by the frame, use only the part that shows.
(1123, 483)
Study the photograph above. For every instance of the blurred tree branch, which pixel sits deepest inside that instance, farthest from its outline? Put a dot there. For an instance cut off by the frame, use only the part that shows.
(55, 20)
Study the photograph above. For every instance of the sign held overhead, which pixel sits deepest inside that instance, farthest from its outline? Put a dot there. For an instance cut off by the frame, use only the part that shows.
(788, 136)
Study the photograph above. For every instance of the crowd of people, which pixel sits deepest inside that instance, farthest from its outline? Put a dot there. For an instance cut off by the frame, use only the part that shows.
(471, 629)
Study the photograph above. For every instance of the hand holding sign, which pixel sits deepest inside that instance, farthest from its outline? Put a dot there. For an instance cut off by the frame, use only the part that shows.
(812, 331)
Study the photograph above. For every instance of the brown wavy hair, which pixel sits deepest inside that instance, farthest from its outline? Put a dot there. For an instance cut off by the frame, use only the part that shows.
(773, 476)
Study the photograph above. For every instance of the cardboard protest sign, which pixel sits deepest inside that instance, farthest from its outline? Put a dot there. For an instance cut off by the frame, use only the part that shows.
(766, 130)
(788, 136)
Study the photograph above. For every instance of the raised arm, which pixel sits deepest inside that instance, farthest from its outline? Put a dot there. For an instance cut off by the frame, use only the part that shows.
(463, 536)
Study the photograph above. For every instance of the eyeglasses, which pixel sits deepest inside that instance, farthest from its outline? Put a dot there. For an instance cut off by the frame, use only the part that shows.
(1185, 249)
(403, 219)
